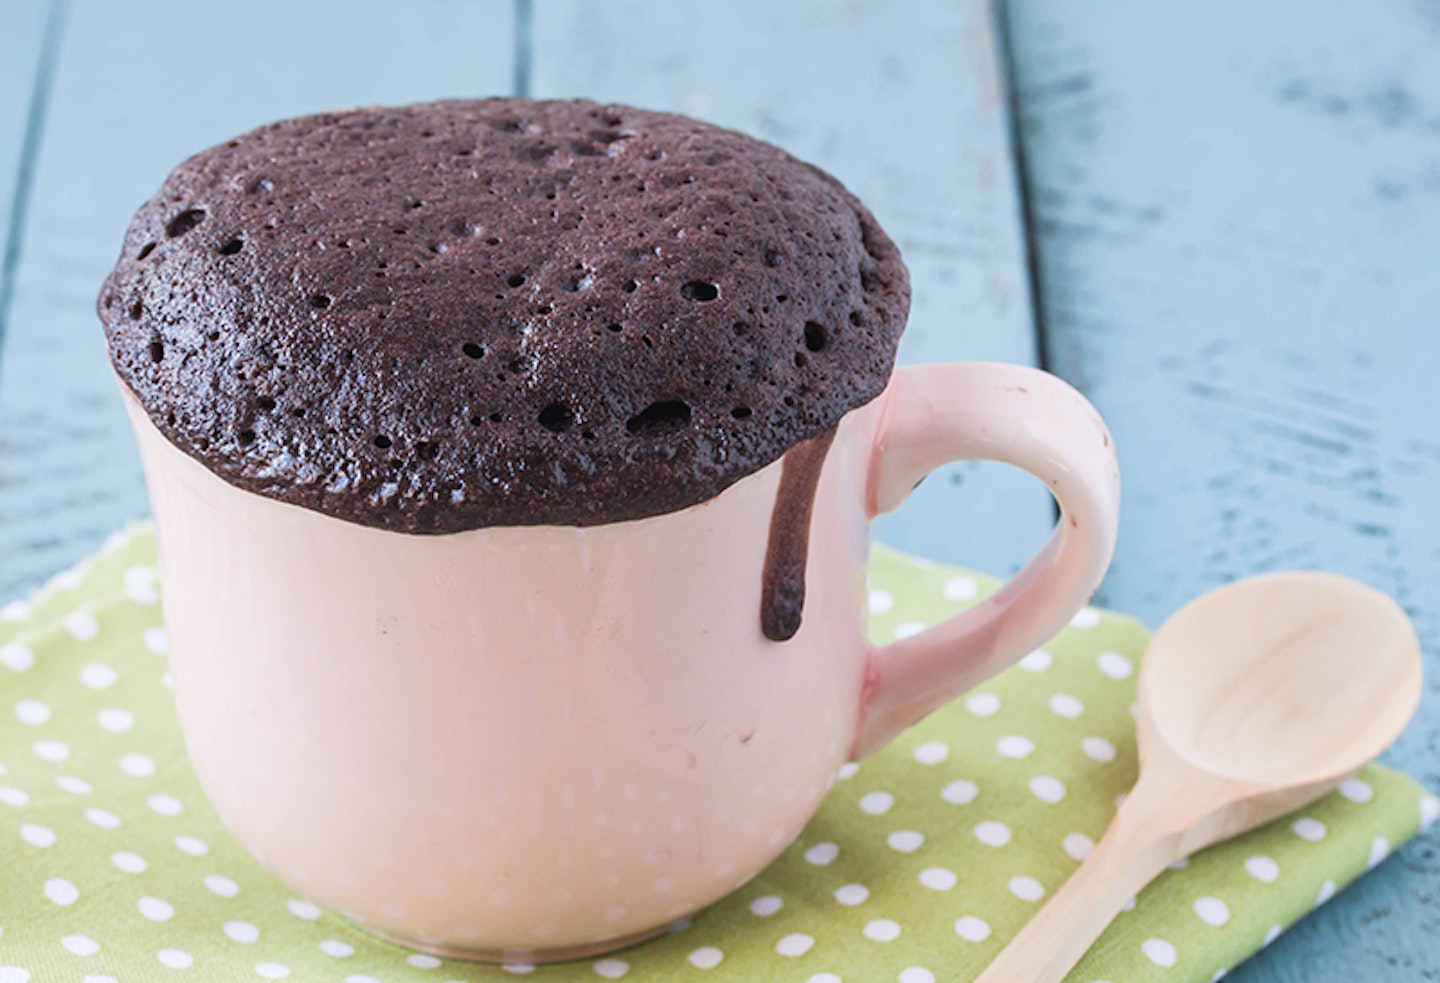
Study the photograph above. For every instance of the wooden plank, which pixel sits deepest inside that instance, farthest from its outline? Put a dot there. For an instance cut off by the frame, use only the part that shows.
(136, 90)
(905, 104)
(1238, 222)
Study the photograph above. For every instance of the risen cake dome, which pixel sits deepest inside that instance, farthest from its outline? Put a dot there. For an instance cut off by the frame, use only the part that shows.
(499, 312)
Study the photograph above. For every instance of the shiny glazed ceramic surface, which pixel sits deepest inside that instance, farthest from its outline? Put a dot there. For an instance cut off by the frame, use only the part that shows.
(541, 742)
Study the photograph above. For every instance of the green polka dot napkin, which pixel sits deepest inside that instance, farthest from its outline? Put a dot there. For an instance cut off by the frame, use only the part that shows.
(921, 863)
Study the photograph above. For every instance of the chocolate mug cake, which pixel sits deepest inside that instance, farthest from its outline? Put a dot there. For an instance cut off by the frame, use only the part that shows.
(496, 449)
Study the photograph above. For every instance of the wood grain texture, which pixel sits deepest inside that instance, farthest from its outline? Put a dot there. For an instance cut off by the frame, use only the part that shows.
(22, 41)
(1237, 217)
(904, 103)
(132, 96)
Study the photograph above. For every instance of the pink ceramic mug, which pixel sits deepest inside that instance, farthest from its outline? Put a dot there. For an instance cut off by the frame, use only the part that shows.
(547, 742)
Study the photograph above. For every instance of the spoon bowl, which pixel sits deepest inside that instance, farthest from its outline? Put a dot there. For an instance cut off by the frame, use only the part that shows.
(1282, 679)
(1253, 700)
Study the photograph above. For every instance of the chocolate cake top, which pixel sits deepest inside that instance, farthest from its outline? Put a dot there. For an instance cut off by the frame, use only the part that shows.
(471, 313)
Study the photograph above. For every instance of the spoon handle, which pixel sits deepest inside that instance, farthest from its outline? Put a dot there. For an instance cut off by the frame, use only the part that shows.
(1134, 851)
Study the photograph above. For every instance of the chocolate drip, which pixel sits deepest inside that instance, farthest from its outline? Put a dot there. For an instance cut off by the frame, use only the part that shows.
(782, 598)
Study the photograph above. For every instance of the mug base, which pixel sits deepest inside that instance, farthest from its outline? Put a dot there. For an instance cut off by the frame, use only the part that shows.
(519, 955)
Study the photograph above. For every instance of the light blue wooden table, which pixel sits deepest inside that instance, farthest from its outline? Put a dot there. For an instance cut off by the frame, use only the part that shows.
(1221, 221)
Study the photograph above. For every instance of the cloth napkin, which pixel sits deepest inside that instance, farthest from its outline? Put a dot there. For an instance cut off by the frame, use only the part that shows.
(922, 862)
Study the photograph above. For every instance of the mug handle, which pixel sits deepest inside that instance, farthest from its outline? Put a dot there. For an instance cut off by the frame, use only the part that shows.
(934, 414)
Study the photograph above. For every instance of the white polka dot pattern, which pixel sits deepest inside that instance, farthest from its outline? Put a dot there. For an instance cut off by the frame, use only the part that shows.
(766, 906)
(706, 957)
(1026, 888)
(983, 704)
(992, 833)
(1212, 911)
(960, 792)
(882, 930)
(931, 753)
(1159, 952)
(795, 944)
(1015, 746)
(877, 803)
(61, 891)
(972, 929)
(822, 854)
(1263, 869)
(938, 878)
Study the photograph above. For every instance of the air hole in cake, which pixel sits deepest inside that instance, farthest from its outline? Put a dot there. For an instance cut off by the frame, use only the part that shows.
(231, 247)
(473, 350)
(516, 280)
(800, 360)
(615, 328)
(426, 450)
(157, 351)
(856, 318)
(137, 310)
(383, 442)
(629, 286)
(146, 250)
(319, 301)
(660, 417)
(184, 222)
(557, 418)
(815, 336)
(265, 404)
(741, 412)
(699, 290)
(247, 437)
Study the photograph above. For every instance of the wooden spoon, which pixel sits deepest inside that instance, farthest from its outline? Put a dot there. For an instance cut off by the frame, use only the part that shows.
(1254, 700)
